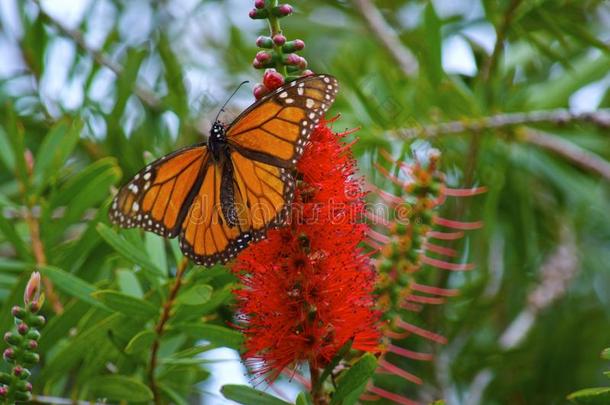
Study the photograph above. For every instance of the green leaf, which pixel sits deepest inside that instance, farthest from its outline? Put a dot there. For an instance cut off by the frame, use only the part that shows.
(216, 334)
(128, 250)
(127, 304)
(593, 396)
(353, 382)
(432, 26)
(304, 398)
(606, 354)
(72, 285)
(10, 233)
(155, 247)
(197, 295)
(129, 283)
(249, 396)
(54, 150)
(7, 155)
(140, 342)
(120, 387)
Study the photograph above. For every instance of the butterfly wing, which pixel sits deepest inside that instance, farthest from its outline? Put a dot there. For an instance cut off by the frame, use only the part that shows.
(275, 129)
(158, 197)
(260, 194)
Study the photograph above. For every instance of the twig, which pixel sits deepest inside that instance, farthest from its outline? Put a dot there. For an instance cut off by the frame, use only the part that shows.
(501, 32)
(581, 157)
(558, 116)
(160, 329)
(146, 95)
(557, 272)
(387, 36)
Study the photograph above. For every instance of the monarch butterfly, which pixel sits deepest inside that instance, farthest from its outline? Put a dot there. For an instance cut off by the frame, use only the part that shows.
(220, 196)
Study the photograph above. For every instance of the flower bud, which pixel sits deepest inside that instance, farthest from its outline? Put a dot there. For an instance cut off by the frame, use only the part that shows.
(37, 321)
(260, 90)
(3, 391)
(12, 339)
(279, 39)
(18, 312)
(263, 57)
(32, 345)
(23, 396)
(293, 46)
(30, 358)
(8, 354)
(5, 378)
(282, 10)
(29, 161)
(258, 14)
(272, 79)
(307, 73)
(32, 289)
(22, 328)
(259, 4)
(302, 63)
(33, 334)
(292, 59)
(264, 42)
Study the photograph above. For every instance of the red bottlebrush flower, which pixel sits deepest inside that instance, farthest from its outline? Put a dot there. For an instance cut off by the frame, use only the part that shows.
(307, 288)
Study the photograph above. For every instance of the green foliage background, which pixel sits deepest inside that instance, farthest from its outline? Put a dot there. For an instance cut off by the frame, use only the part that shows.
(185, 57)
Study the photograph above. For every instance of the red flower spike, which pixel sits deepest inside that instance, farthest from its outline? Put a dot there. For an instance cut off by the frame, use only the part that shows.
(272, 79)
(307, 287)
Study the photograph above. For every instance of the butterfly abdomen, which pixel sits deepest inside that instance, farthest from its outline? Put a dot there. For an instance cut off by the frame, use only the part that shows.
(227, 195)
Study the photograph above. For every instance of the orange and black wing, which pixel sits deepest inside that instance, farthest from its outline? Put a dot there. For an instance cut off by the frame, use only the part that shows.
(159, 196)
(260, 190)
(275, 129)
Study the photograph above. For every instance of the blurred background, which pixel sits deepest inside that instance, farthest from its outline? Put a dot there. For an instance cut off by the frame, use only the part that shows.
(142, 78)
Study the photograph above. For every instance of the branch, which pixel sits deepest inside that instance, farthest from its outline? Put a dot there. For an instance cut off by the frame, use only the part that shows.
(160, 329)
(146, 95)
(577, 155)
(560, 116)
(387, 36)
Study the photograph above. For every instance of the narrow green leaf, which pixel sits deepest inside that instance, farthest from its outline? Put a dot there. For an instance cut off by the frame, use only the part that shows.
(140, 342)
(593, 396)
(14, 266)
(155, 247)
(54, 150)
(606, 354)
(7, 156)
(120, 387)
(127, 304)
(304, 398)
(10, 233)
(199, 294)
(353, 382)
(175, 397)
(129, 283)
(216, 334)
(249, 396)
(127, 250)
(72, 285)
(432, 26)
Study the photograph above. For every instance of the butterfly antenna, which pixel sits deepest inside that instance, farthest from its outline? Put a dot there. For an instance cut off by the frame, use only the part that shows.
(229, 99)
